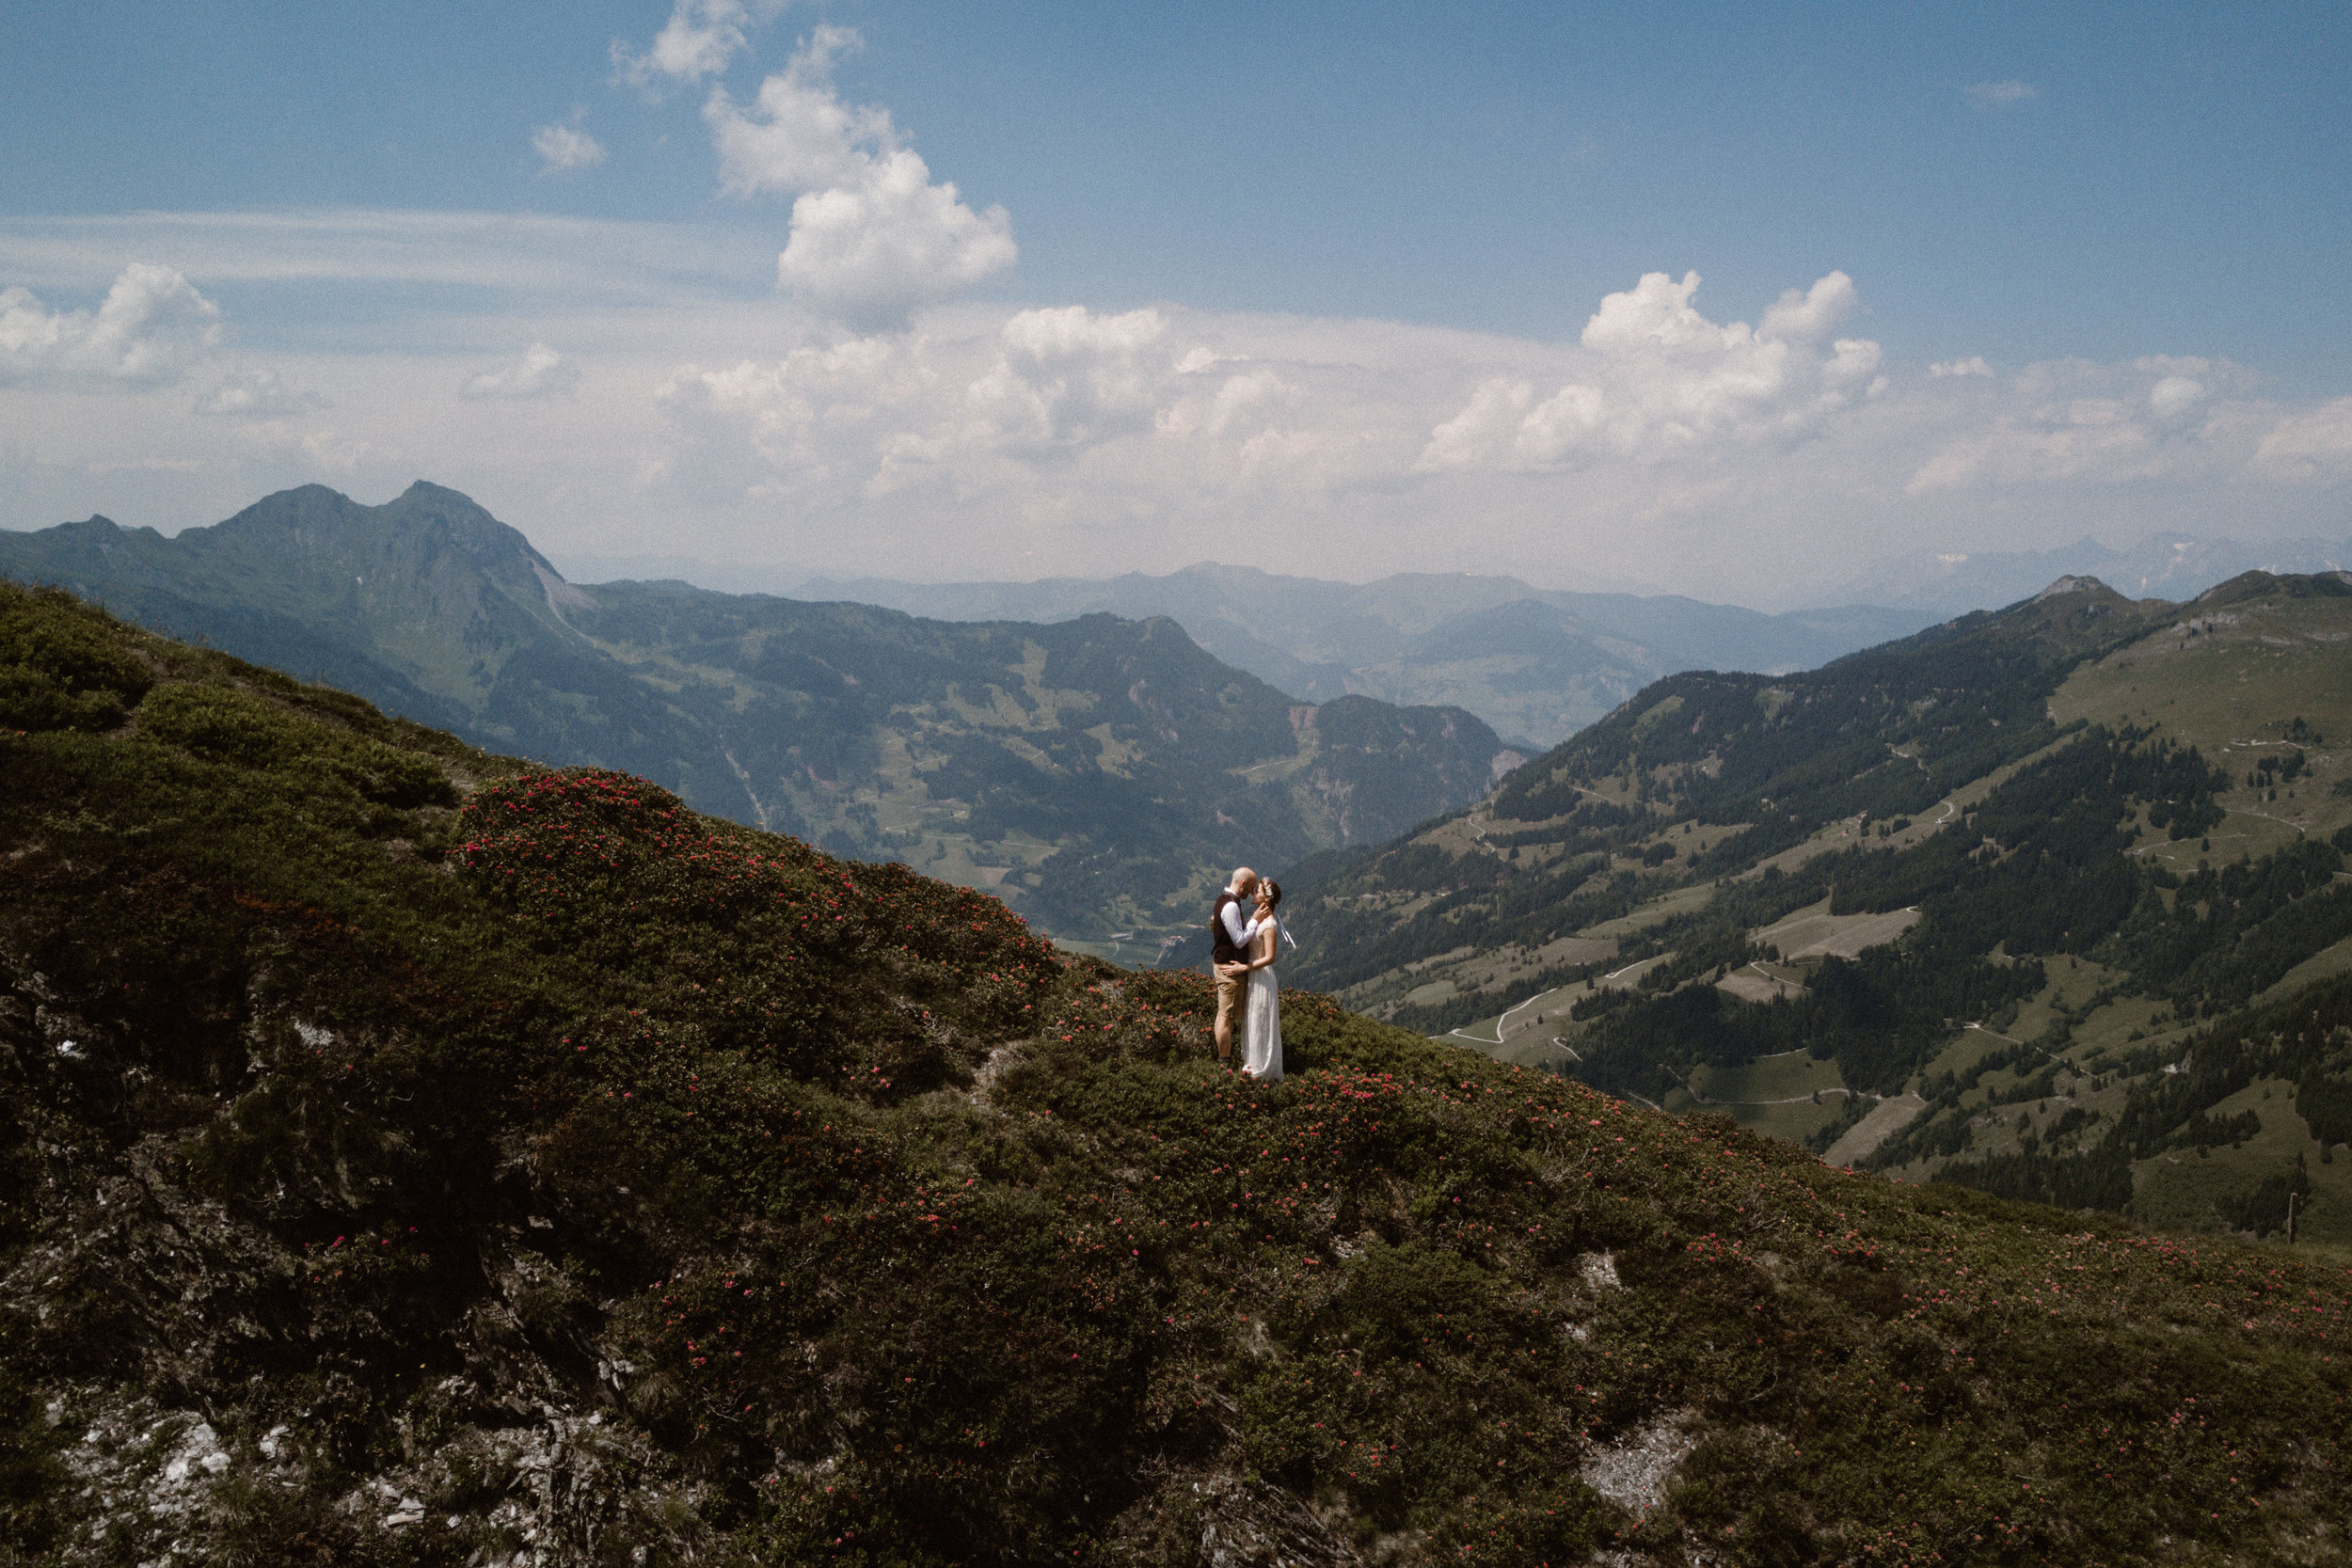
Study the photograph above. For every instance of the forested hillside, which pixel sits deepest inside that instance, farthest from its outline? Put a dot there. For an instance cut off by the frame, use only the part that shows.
(1099, 774)
(2016, 902)
(412, 1156)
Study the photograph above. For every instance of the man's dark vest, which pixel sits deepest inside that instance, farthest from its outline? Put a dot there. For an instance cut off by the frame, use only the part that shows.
(1221, 948)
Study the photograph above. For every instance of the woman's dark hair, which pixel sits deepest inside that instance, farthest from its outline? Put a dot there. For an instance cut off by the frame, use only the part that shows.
(1271, 891)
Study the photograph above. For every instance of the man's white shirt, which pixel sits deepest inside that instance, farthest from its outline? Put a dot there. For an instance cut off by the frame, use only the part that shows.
(1237, 926)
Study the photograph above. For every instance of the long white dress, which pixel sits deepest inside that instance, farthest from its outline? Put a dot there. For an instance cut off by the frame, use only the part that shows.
(1261, 1019)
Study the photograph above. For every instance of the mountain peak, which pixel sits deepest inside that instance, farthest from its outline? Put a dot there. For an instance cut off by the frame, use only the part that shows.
(2244, 585)
(423, 523)
(2073, 584)
(100, 529)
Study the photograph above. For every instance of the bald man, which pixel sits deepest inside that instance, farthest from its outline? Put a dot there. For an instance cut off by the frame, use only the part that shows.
(1229, 927)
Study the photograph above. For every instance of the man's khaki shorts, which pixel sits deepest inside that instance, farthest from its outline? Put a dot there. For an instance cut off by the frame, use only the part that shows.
(1228, 998)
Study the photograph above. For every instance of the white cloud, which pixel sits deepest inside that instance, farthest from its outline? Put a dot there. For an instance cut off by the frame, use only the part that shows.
(872, 238)
(2077, 422)
(1809, 317)
(2311, 444)
(2000, 95)
(876, 252)
(335, 454)
(991, 441)
(1068, 378)
(798, 136)
(1658, 379)
(1471, 437)
(2085, 440)
(1973, 365)
(2176, 397)
(540, 373)
(564, 149)
(536, 260)
(1236, 398)
(257, 394)
(875, 415)
(754, 428)
(1062, 409)
(152, 327)
(701, 38)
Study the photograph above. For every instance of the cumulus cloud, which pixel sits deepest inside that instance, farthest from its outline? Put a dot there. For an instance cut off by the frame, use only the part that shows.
(1213, 411)
(797, 135)
(873, 238)
(2000, 95)
(1661, 379)
(701, 38)
(1973, 365)
(2077, 422)
(256, 394)
(876, 415)
(894, 243)
(1140, 407)
(152, 327)
(1067, 378)
(1493, 416)
(800, 423)
(1044, 410)
(563, 149)
(541, 372)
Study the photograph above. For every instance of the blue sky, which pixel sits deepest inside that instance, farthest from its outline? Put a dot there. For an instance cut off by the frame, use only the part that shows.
(1358, 221)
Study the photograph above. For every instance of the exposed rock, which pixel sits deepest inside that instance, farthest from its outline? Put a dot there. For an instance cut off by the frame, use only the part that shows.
(1634, 1472)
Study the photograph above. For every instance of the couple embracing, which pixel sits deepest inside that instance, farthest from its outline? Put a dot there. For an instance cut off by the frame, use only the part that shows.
(1244, 935)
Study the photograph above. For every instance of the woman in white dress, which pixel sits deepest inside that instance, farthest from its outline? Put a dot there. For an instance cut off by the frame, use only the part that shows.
(1261, 1011)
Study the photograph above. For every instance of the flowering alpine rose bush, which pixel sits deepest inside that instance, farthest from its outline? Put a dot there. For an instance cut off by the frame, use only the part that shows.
(570, 1175)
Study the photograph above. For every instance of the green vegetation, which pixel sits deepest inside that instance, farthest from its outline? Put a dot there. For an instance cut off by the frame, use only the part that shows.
(568, 1172)
(57, 672)
(2103, 842)
(1727, 770)
(1099, 774)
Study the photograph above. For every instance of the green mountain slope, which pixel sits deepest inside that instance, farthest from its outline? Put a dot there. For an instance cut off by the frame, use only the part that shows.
(560, 1173)
(1102, 774)
(2015, 902)
(1702, 775)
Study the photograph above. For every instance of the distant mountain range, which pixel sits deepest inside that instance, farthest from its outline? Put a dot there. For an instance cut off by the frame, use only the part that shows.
(1099, 773)
(1537, 664)
(2161, 566)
